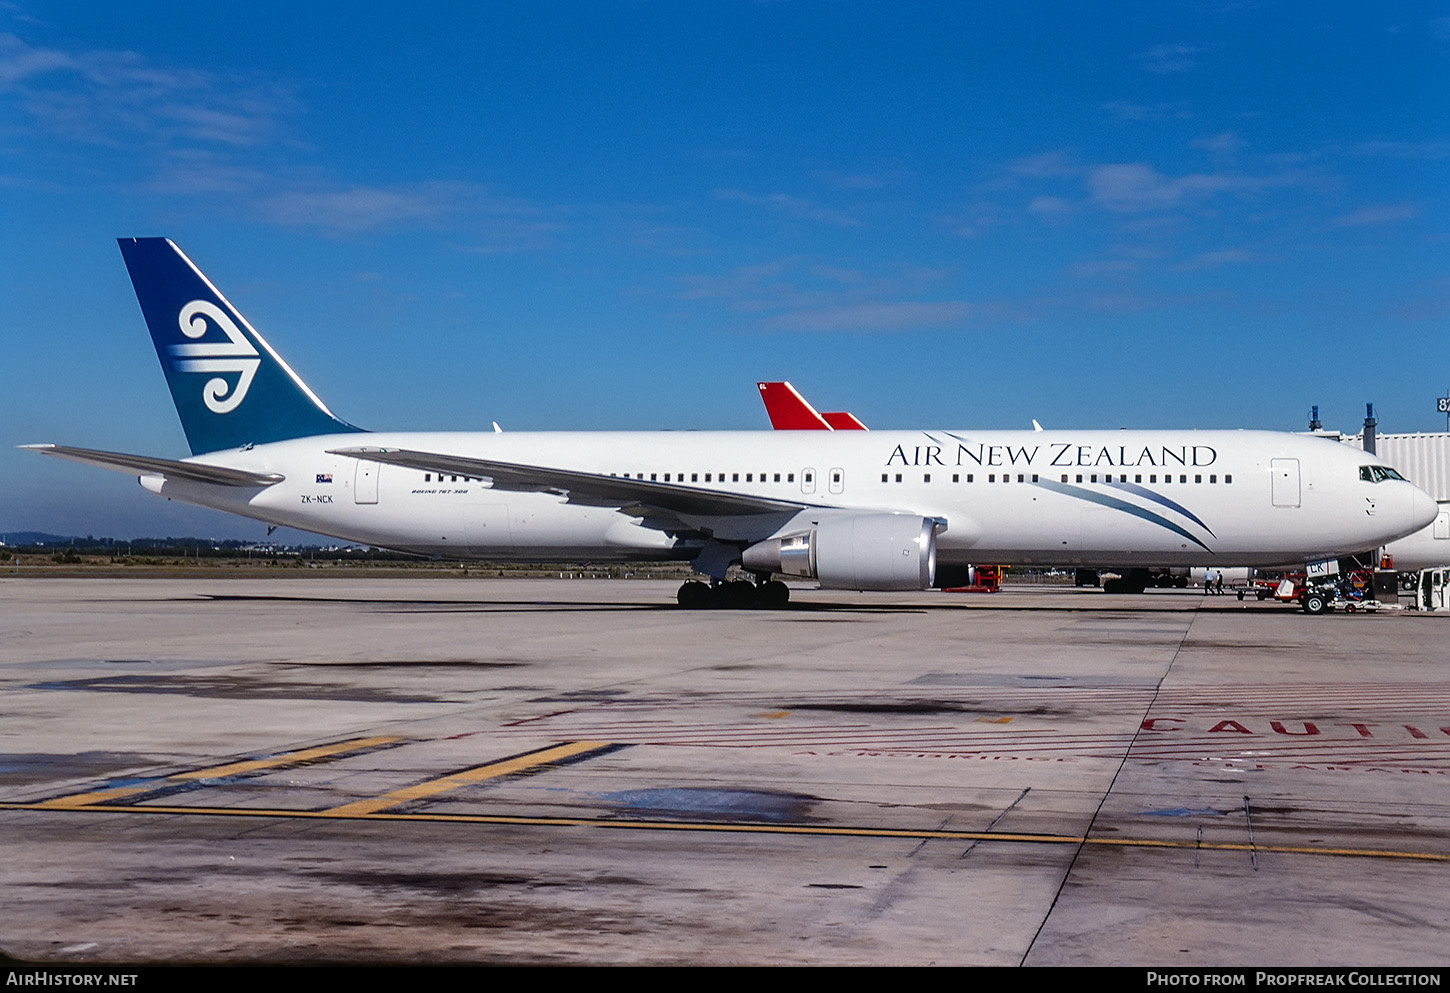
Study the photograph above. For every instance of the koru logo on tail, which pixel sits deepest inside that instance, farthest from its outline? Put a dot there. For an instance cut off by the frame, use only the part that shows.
(236, 354)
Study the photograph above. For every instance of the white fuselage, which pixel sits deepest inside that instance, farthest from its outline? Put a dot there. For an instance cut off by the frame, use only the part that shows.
(1103, 498)
(1427, 548)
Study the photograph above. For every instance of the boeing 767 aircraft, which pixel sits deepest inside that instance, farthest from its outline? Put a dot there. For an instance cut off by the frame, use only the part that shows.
(854, 510)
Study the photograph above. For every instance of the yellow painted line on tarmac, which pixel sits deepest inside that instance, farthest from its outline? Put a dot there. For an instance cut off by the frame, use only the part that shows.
(98, 796)
(285, 758)
(216, 772)
(454, 780)
(774, 829)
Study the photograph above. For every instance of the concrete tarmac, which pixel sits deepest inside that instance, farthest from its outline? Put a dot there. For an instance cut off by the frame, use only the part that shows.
(411, 770)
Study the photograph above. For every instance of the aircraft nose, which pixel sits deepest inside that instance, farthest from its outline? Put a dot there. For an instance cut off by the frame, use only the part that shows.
(1423, 509)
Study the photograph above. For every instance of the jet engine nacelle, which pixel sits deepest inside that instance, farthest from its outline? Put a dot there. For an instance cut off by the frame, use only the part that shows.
(855, 552)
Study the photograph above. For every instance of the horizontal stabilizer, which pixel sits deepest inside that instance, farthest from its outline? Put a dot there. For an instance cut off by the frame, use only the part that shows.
(144, 465)
(588, 488)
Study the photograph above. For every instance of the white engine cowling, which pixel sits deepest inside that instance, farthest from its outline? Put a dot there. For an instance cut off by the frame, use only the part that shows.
(856, 552)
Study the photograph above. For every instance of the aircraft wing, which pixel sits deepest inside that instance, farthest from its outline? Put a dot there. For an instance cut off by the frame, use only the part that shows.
(144, 465)
(588, 488)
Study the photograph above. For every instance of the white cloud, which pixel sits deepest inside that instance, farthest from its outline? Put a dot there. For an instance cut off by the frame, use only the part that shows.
(1127, 111)
(1095, 268)
(1405, 149)
(1390, 213)
(115, 98)
(1047, 165)
(497, 224)
(1212, 260)
(792, 206)
(795, 293)
(1132, 187)
(19, 61)
(1050, 206)
(1169, 58)
(1224, 143)
(901, 315)
(1135, 187)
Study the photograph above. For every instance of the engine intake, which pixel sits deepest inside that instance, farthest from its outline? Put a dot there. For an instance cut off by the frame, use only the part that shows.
(857, 552)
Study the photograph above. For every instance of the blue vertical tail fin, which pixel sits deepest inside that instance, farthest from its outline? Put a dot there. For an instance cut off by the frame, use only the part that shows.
(230, 388)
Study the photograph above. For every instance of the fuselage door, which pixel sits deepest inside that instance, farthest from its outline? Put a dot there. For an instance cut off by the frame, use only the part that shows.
(838, 480)
(1285, 475)
(808, 480)
(365, 483)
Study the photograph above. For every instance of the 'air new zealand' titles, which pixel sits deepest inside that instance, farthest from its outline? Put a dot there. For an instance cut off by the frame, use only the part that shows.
(1060, 453)
(852, 509)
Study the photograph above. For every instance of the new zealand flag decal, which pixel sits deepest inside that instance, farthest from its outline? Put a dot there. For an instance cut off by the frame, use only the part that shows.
(324, 477)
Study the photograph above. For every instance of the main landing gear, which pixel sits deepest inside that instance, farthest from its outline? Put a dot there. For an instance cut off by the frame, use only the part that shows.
(737, 594)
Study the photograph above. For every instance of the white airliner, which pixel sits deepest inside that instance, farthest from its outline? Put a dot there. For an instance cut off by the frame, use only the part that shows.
(1428, 548)
(855, 510)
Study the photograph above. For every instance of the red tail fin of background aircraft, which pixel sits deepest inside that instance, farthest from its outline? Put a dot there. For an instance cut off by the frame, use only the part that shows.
(789, 411)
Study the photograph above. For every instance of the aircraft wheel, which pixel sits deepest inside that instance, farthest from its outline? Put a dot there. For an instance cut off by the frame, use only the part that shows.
(1315, 603)
(693, 595)
(735, 594)
(1241, 595)
(1181, 582)
(773, 595)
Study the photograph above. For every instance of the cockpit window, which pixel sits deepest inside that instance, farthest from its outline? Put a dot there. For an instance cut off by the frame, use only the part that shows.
(1377, 473)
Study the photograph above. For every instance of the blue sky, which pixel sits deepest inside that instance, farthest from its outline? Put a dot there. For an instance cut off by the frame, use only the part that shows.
(621, 215)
